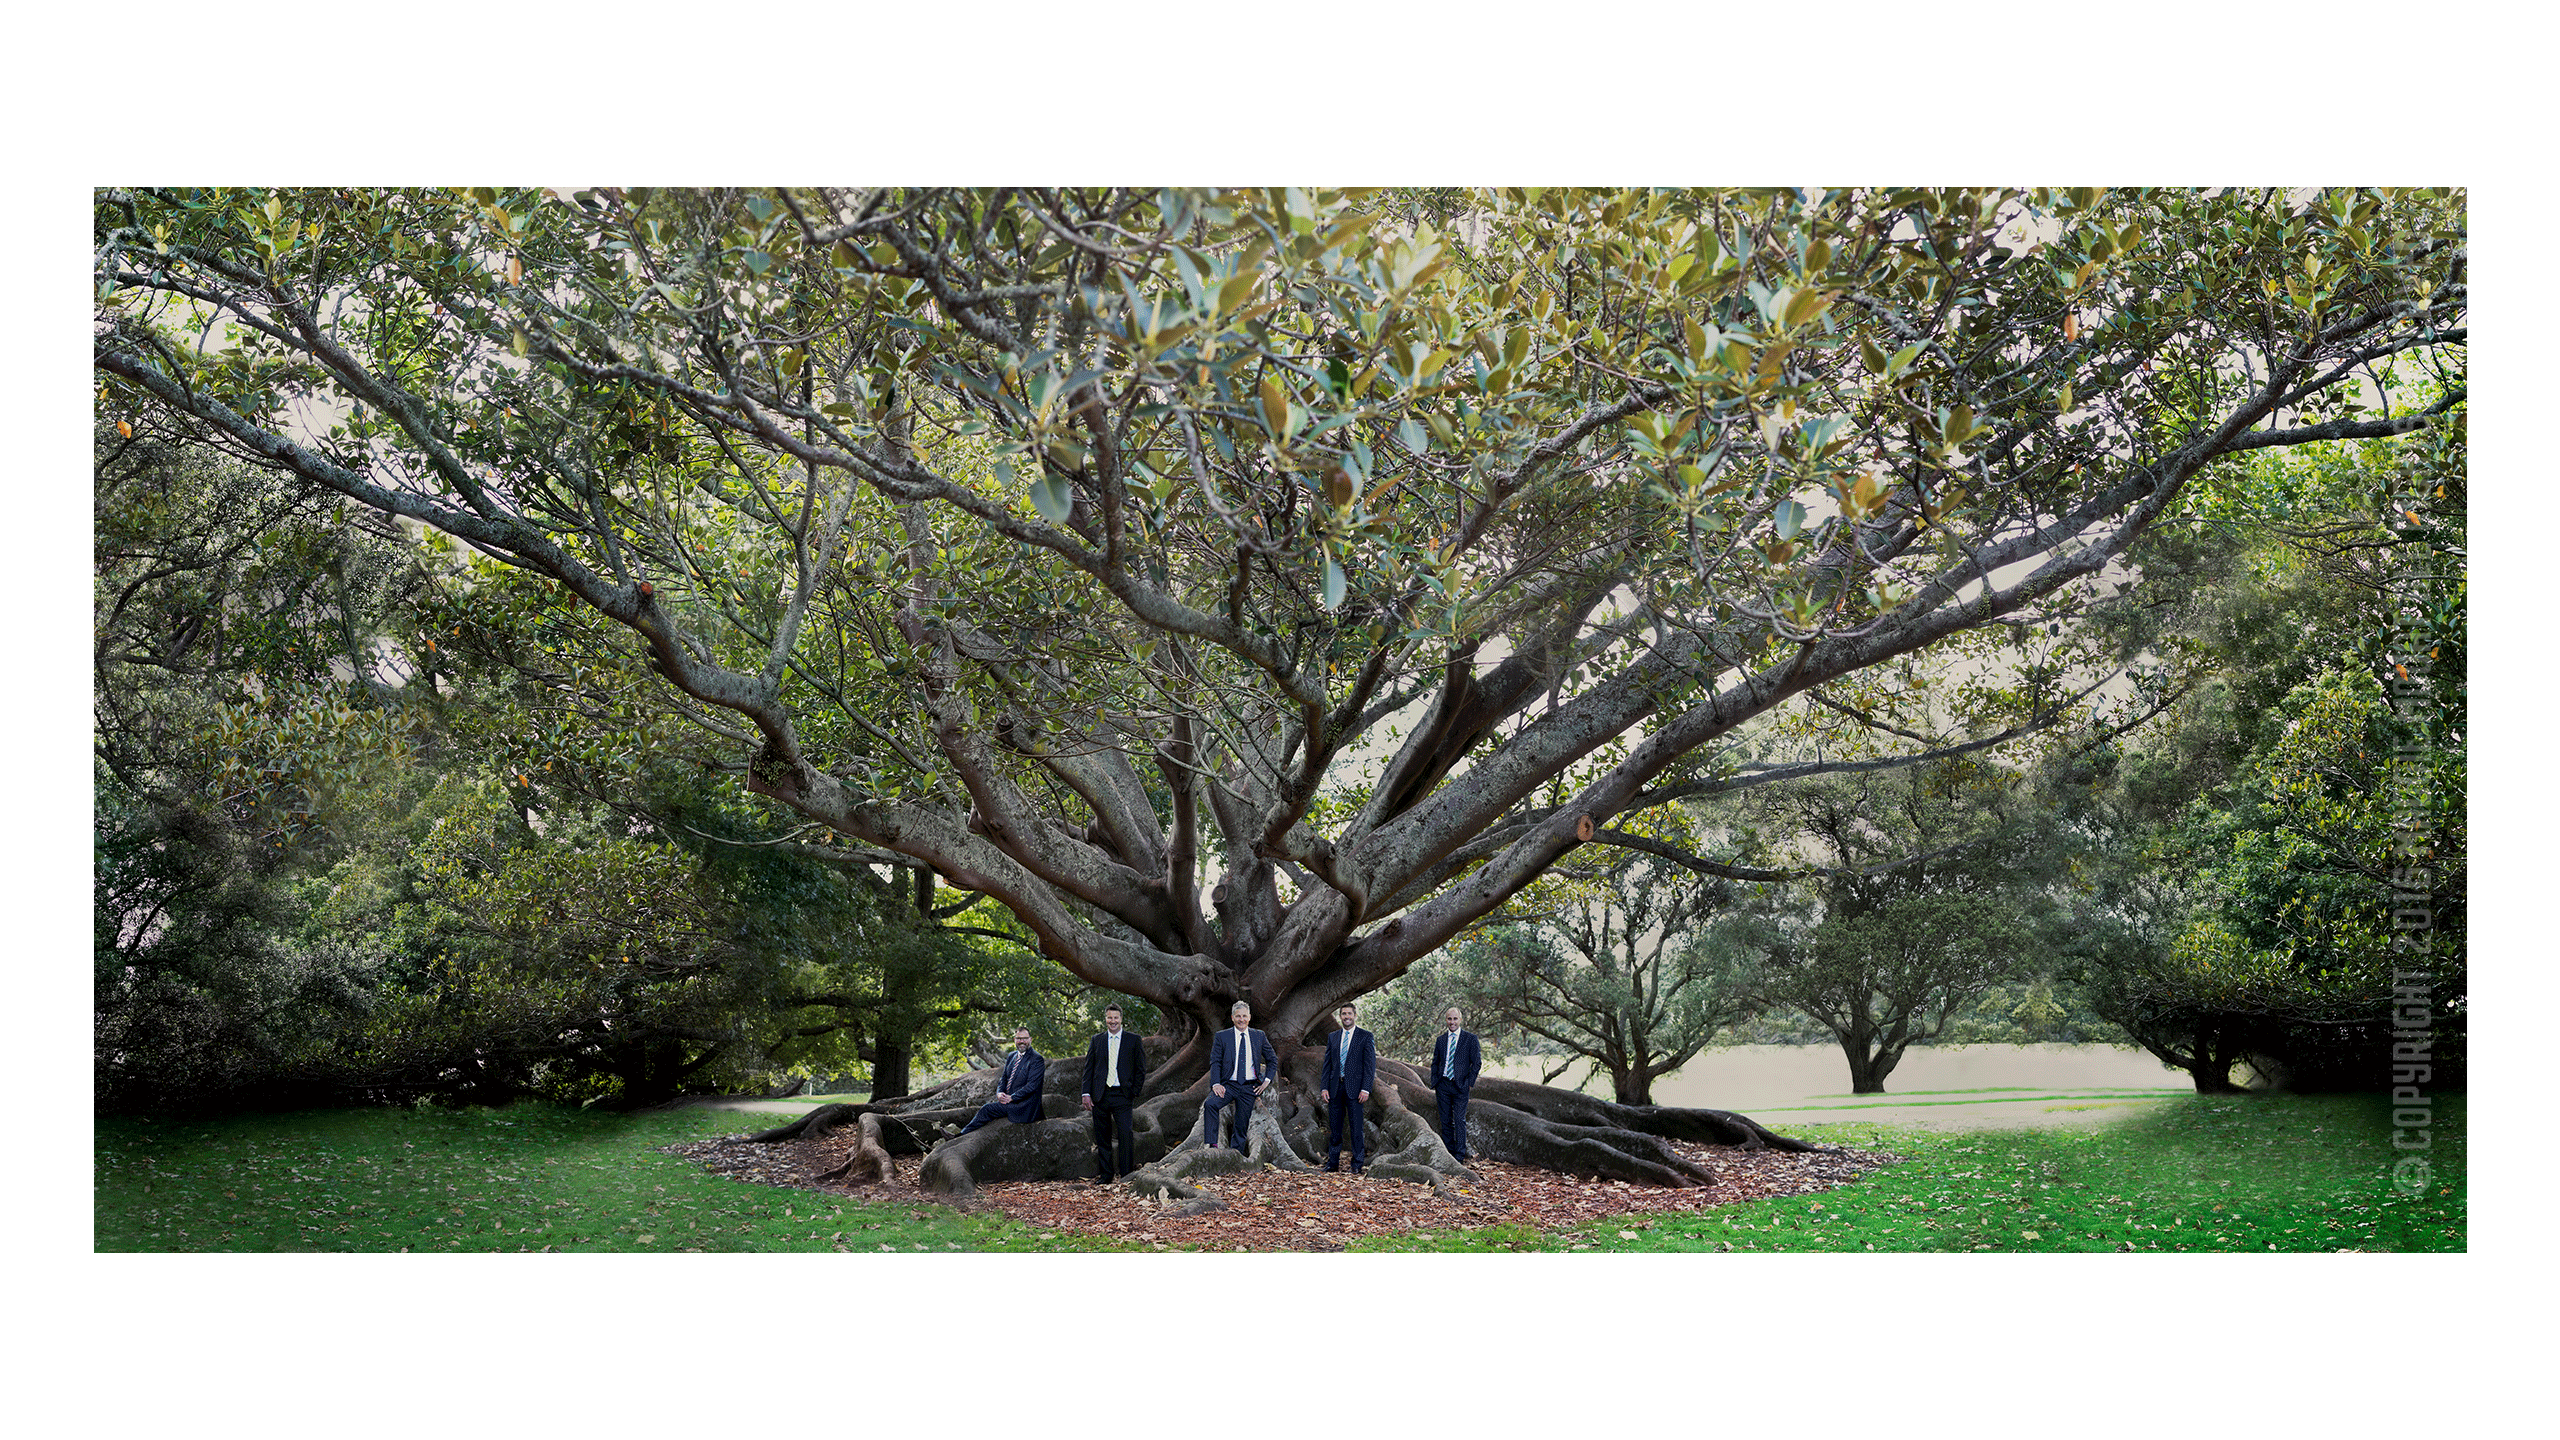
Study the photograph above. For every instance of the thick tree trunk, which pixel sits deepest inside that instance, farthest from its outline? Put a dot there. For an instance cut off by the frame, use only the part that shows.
(1867, 1070)
(892, 1062)
(654, 1071)
(2206, 1060)
(2212, 1067)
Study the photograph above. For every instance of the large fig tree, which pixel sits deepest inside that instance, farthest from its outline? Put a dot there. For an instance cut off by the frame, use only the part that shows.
(1252, 589)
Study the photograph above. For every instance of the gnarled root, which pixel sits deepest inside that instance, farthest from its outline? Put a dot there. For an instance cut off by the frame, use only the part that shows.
(825, 1117)
(869, 1164)
(1572, 1107)
(1409, 1147)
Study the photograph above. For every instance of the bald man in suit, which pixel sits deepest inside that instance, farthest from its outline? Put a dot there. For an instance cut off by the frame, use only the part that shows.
(1456, 1059)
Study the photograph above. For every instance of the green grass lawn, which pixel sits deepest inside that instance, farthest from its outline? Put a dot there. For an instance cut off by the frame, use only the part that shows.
(529, 1177)
(2252, 1174)
(2249, 1173)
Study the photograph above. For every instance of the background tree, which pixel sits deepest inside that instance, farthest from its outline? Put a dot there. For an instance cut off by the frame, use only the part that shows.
(313, 886)
(1633, 967)
(1893, 947)
(2242, 860)
(1219, 580)
(884, 967)
(237, 696)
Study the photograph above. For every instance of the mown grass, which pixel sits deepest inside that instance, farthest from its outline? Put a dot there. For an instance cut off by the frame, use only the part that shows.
(2248, 1173)
(526, 1178)
(2252, 1173)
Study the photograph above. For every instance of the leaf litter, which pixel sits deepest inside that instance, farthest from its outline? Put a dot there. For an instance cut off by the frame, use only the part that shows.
(1271, 1209)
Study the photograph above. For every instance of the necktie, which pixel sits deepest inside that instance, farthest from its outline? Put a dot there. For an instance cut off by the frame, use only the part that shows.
(1244, 1058)
(1451, 1068)
(1111, 1065)
(1345, 1067)
(1007, 1086)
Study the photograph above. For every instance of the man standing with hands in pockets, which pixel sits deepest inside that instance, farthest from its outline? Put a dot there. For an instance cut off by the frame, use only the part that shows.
(1350, 1067)
(1115, 1070)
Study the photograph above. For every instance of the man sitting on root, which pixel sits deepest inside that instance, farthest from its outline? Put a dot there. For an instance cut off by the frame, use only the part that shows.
(1018, 1089)
(1241, 1062)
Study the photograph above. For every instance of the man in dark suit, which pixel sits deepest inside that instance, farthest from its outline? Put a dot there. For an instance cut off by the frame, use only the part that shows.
(1350, 1067)
(1115, 1069)
(1455, 1060)
(1017, 1089)
(1241, 1062)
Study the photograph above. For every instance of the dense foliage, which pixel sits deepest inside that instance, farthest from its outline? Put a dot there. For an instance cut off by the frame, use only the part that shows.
(321, 875)
(2287, 849)
(1249, 590)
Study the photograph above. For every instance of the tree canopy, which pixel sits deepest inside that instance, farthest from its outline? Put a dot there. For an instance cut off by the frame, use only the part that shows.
(1253, 589)
(2264, 870)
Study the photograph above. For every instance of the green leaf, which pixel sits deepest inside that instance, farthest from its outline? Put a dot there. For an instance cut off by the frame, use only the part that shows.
(1334, 583)
(1413, 436)
(1789, 518)
(1049, 496)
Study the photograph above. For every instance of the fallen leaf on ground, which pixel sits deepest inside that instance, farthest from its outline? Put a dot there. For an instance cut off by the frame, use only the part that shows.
(1305, 1210)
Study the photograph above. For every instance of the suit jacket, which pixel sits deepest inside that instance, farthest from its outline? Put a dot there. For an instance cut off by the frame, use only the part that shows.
(1359, 1072)
(1027, 1070)
(1222, 1057)
(1133, 1063)
(1470, 1061)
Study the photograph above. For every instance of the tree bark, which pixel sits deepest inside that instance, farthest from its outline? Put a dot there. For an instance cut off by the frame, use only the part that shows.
(1868, 1069)
(869, 1162)
(891, 1064)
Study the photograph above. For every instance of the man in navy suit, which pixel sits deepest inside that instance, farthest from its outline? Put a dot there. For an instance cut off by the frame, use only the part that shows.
(1241, 1062)
(1350, 1067)
(1115, 1070)
(1455, 1060)
(1017, 1089)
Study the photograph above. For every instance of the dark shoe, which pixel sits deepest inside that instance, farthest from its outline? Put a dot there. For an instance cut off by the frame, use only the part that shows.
(1360, 1170)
